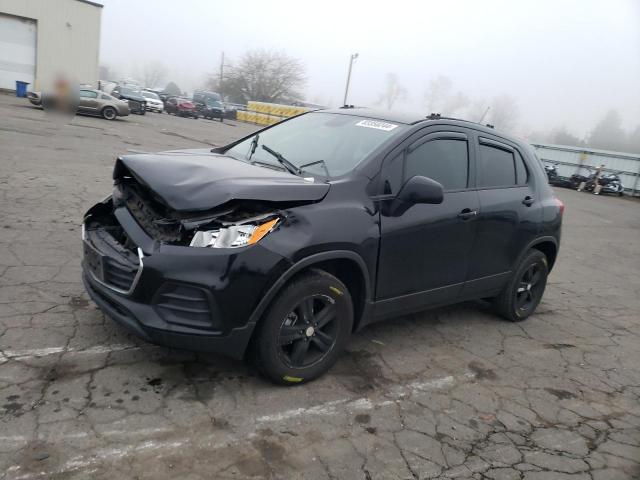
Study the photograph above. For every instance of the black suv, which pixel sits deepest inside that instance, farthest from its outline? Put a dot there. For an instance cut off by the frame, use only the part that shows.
(282, 244)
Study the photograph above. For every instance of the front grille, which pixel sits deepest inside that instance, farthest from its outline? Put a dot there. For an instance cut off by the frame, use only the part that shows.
(134, 105)
(186, 305)
(118, 274)
(110, 262)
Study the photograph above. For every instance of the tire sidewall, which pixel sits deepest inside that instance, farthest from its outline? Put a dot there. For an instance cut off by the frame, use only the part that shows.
(270, 362)
(109, 109)
(533, 257)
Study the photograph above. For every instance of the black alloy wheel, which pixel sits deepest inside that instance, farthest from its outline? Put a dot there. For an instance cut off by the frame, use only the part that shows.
(308, 332)
(304, 329)
(529, 289)
(522, 294)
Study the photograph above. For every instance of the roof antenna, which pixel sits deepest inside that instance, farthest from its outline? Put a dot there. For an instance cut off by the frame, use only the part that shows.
(484, 115)
(433, 116)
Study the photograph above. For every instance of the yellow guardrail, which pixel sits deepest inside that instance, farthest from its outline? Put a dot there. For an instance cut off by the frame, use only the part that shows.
(263, 113)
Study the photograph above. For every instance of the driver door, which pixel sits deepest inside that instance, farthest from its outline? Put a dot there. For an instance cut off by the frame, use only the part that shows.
(425, 250)
(88, 101)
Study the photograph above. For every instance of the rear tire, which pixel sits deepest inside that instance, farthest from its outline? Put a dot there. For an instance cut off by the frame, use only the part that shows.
(109, 113)
(524, 291)
(304, 330)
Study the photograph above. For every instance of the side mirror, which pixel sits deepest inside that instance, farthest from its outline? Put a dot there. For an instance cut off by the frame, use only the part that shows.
(420, 189)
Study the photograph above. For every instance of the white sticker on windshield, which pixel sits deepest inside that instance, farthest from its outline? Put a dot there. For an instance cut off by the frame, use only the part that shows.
(377, 124)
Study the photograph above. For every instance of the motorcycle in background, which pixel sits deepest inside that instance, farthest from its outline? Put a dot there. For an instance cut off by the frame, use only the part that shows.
(555, 179)
(610, 183)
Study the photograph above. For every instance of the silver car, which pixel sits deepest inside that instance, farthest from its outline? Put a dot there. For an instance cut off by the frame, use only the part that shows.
(90, 102)
(96, 102)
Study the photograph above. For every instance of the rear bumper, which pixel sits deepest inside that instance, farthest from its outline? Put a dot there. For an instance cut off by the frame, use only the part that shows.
(129, 315)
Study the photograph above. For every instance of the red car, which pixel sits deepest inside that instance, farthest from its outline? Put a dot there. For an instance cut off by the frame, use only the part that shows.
(181, 106)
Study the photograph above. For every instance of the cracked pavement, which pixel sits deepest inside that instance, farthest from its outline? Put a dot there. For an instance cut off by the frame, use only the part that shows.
(449, 393)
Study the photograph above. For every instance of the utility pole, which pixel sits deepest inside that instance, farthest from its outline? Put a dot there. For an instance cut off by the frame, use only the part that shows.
(221, 73)
(346, 89)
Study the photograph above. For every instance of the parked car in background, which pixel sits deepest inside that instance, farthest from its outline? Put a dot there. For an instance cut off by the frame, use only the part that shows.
(96, 102)
(211, 109)
(287, 241)
(204, 96)
(90, 102)
(35, 98)
(154, 104)
(182, 107)
(133, 95)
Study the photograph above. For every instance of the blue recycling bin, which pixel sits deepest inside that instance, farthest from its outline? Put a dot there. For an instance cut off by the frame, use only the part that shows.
(21, 89)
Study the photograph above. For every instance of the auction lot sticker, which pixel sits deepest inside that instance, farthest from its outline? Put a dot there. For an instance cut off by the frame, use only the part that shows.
(377, 124)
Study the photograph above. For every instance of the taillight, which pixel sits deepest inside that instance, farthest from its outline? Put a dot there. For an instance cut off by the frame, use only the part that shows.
(560, 205)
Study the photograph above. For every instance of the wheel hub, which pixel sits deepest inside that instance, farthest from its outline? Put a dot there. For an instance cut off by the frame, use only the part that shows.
(309, 332)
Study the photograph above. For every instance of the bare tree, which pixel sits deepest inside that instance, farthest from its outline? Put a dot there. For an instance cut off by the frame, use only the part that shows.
(633, 141)
(562, 136)
(504, 113)
(266, 76)
(393, 92)
(437, 92)
(440, 98)
(608, 133)
(154, 74)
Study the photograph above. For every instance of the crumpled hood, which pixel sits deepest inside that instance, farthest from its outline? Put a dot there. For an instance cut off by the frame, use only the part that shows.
(196, 180)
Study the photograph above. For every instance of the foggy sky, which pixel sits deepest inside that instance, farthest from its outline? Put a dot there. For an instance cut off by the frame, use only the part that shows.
(565, 61)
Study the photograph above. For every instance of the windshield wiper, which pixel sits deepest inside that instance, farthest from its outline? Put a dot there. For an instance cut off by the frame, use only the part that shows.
(310, 164)
(254, 145)
(283, 161)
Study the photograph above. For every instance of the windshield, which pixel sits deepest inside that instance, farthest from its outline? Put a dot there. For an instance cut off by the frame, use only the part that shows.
(337, 142)
(129, 91)
(214, 103)
(150, 95)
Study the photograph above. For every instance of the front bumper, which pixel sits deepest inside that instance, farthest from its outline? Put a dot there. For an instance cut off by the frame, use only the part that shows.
(153, 107)
(197, 299)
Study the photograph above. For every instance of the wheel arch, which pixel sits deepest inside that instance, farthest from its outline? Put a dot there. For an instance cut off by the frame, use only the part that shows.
(546, 245)
(346, 265)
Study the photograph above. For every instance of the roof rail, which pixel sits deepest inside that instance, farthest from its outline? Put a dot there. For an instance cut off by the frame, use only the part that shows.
(347, 106)
(437, 116)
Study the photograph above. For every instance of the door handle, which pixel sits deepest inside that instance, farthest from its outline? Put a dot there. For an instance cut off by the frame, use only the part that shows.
(467, 213)
(528, 201)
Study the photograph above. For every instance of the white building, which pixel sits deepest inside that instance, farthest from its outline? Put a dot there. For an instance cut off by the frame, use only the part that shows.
(41, 39)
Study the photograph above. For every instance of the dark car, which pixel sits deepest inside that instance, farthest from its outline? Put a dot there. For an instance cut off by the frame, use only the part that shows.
(133, 96)
(182, 107)
(211, 110)
(280, 245)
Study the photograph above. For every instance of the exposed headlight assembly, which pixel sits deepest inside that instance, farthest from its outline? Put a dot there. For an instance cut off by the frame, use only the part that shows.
(233, 236)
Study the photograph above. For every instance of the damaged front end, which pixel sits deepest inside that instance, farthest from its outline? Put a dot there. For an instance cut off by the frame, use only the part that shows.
(235, 224)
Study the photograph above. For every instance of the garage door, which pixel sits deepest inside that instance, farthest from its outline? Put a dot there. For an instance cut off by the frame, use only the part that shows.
(17, 51)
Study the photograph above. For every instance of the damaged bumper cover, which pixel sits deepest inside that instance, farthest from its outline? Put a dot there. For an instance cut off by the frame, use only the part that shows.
(200, 299)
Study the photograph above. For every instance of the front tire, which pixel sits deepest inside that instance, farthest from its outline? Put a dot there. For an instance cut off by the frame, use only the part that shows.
(304, 329)
(524, 291)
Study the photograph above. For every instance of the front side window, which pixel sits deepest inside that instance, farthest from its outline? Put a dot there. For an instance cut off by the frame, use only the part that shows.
(444, 160)
(496, 167)
(334, 143)
(521, 171)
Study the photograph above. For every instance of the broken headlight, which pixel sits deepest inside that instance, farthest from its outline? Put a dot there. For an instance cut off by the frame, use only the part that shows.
(233, 236)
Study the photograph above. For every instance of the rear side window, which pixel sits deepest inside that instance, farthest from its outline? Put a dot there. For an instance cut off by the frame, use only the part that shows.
(496, 167)
(444, 160)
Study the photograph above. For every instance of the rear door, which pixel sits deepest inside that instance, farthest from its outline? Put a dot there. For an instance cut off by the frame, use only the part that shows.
(509, 213)
(424, 249)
